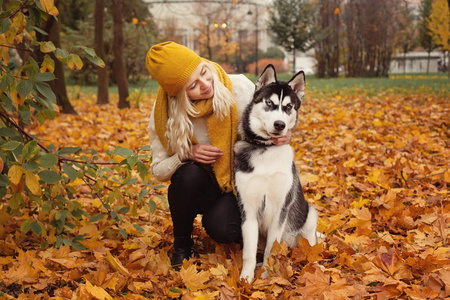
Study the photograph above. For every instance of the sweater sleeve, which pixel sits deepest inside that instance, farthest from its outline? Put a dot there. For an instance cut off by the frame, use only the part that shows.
(163, 166)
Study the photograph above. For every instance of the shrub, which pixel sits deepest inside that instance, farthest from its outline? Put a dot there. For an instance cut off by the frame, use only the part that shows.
(279, 64)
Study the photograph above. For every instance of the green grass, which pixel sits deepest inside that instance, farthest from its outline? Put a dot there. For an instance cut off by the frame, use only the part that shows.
(426, 83)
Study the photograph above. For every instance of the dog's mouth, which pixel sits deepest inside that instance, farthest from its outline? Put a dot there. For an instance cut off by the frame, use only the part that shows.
(275, 134)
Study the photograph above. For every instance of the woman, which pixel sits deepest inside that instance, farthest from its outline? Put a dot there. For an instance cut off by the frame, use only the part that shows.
(192, 130)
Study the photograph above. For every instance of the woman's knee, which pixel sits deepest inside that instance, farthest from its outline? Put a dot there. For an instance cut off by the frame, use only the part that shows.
(222, 222)
(188, 177)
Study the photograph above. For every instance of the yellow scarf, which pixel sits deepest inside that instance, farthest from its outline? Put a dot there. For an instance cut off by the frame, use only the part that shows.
(222, 132)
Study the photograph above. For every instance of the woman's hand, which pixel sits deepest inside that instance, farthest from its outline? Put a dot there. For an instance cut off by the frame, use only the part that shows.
(205, 154)
(283, 140)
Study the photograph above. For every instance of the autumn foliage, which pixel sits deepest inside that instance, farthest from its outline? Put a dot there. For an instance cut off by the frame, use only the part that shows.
(375, 167)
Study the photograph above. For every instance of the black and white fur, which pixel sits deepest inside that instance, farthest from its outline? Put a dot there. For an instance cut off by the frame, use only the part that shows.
(267, 182)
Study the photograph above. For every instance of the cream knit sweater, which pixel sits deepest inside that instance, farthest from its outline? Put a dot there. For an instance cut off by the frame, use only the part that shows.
(163, 166)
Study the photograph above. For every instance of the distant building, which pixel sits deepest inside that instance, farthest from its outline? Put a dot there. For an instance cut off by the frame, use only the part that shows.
(416, 62)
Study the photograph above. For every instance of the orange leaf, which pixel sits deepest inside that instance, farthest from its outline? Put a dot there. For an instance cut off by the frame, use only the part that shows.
(97, 292)
(304, 252)
(194, 280)
(116, 264)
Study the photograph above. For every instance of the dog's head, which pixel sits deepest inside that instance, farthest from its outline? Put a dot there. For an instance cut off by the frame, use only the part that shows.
(274, 108)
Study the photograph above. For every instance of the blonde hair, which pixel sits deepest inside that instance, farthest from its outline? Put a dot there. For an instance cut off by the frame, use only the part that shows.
(180, 129)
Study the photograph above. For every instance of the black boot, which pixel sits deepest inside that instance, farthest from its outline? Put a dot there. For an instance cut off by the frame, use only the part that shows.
(182, 250)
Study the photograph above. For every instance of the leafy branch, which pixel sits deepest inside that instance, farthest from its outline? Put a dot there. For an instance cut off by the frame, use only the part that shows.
(39, 183)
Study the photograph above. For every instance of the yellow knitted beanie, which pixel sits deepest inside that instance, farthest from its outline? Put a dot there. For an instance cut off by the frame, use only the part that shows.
(171, 64)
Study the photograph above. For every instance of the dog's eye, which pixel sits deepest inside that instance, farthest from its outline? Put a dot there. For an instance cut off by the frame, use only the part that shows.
(269, 103)
(288, 107)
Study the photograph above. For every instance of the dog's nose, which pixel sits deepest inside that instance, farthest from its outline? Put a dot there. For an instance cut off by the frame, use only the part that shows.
(279, 125)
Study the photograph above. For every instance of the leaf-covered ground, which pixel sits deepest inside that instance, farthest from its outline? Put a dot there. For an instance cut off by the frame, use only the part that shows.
(376, 168)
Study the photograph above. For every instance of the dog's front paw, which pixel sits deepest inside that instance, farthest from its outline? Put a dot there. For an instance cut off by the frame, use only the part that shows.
(247, 276)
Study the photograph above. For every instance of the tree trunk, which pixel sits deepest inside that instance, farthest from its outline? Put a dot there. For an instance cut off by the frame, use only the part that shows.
(404, 62)
(58, 85)
(119, 63)
(102, 73)
(293, 64)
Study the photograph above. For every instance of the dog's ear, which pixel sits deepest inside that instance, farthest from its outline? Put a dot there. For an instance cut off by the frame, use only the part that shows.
(267, 76)
(298, 83)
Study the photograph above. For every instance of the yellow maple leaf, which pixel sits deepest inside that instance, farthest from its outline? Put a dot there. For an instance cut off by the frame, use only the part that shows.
(90, 230)
(112, 282)
(340, 114)
(306, 252)
(306, 178)
(360, 203)
(116, 264)
(447, 176)
(220, 271)
(97, 291)
(258, 295)
(316, 284)
(377, 176)
(377, 122)
(361, 220)
(194, 280)
(374, 176)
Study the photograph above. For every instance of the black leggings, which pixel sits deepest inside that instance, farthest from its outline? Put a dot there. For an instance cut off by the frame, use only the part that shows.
(193, 191)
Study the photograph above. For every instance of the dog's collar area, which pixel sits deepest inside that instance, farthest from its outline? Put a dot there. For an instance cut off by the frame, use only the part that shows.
(259, 141)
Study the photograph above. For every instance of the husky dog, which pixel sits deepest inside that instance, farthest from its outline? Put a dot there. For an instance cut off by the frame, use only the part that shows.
(267, 183)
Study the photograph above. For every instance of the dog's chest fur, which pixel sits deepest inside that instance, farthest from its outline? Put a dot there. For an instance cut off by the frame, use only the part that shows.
(265, 177)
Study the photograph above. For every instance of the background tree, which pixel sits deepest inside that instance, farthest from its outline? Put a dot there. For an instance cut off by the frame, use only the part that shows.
(370, 29)
(139, 34)
(215, 31)
(169, 30)
(327, 49)
(292, 22)
(405, 38)
(425, 37)
(102, 73)
(439, 25)
(51, 27)
(73, 13)
(204, 38)
(119, 63)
